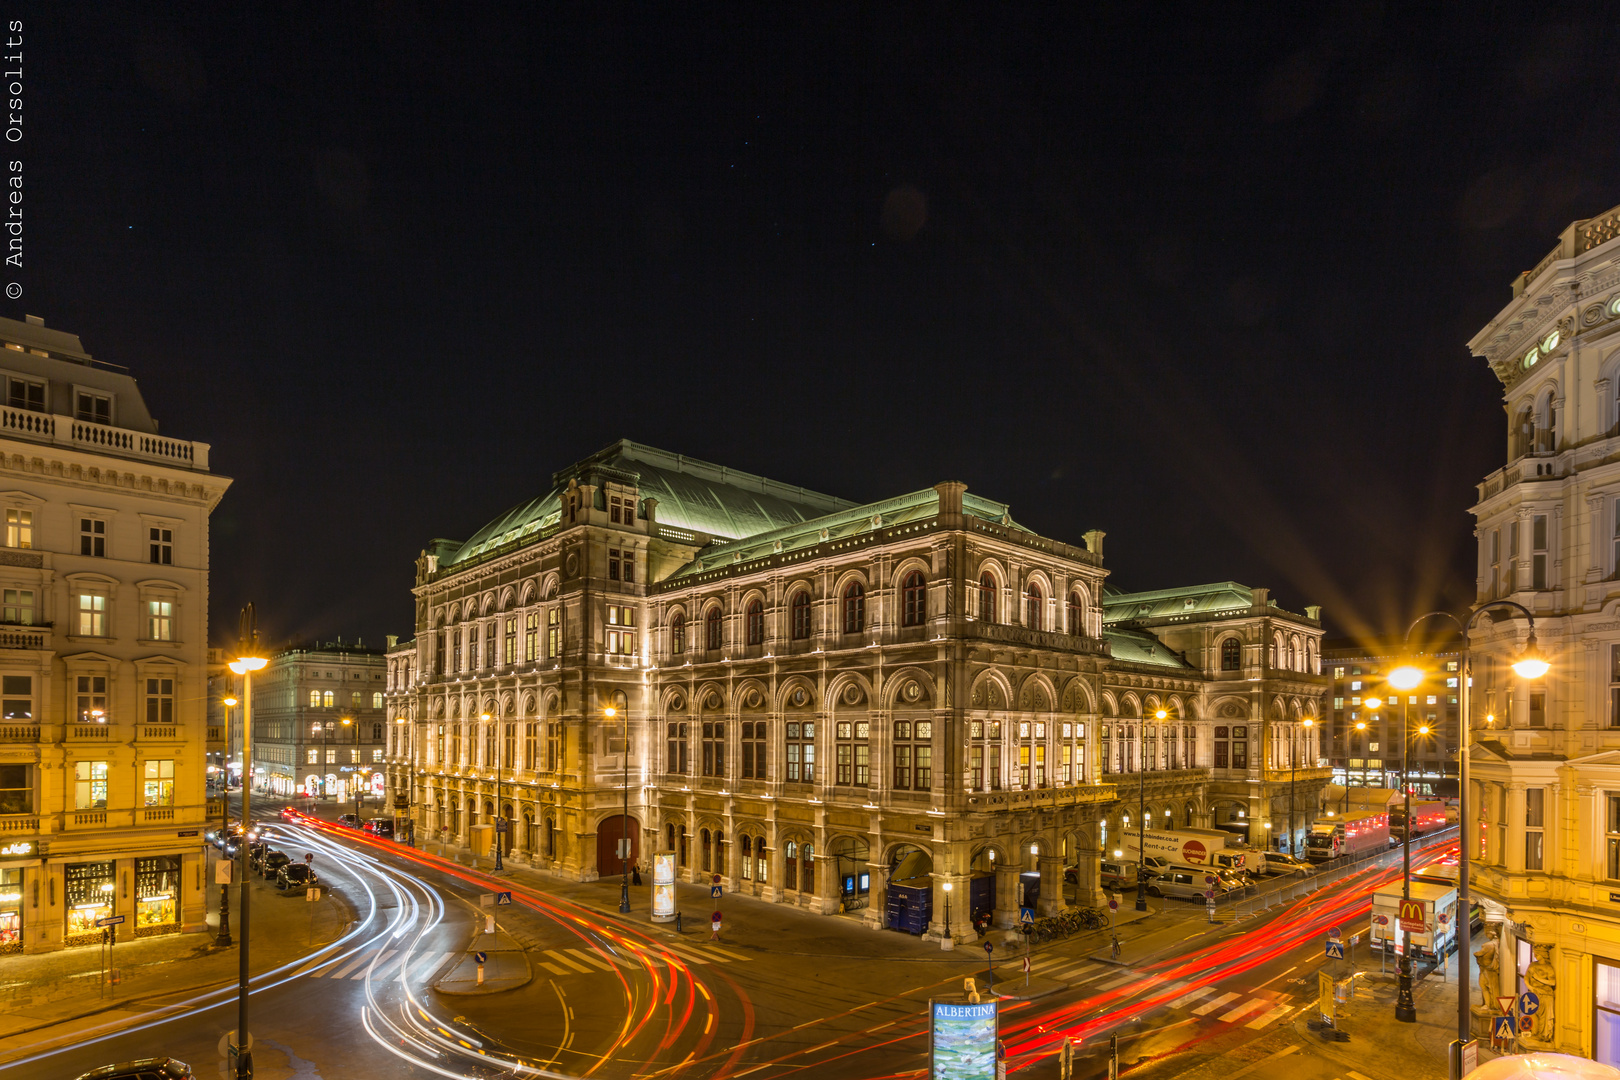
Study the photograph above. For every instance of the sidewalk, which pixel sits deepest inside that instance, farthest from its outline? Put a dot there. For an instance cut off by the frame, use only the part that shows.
(43, 989)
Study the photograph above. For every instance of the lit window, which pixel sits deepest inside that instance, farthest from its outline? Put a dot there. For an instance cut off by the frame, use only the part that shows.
(90, 783)
(1356, 685)
(314, 699)
(20, 528)
(158, 783)
(328, 699)
(92, 615)
(159, 620)
(314, 757)
(376, 700)
(621, 642)
(18, 607)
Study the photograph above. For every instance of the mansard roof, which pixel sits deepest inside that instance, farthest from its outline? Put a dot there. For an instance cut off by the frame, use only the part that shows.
(1190, 599)
(694, 495)
(853, 521)
(1140, 647)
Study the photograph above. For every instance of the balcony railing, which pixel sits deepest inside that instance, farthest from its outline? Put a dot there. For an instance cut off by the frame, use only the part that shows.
(84, 434)
(17, 637)
(16, 824)
(159, 732)
(152, 814)
(89, 733)
(19, 733)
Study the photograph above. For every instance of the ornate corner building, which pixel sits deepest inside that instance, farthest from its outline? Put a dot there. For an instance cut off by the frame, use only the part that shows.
(877, 710)
(104, 731)
(1545, 761)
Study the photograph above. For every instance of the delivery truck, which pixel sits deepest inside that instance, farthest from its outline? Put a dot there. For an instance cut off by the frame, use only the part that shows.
(1437, 937)
(1189, 847)
(1351, 834)
(1427, 816)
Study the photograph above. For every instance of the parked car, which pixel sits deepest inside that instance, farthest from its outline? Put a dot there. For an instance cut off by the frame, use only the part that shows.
(1190, 884)
(296, 875)
(155, 1068)
(256, 851)
(350, 820)
(1118, 875)
(1280, 862)
(381, 826)
(271, 864)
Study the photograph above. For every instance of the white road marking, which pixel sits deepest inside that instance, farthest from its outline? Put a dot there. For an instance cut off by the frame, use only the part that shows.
(1209, 1007)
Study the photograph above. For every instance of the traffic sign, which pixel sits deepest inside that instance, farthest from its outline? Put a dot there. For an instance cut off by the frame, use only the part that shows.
(989, 947)
(1527, 1023)
(1210, 879)
(486, 899)
(714, 891)
(1529, 1003)
(111, 920)
(503, 898)
(1502, 1027)
(1209, 894)
(1113, 903)
(480, 957)
(1026, 916)
(1412, 917)
(1026, 965)
(1505, 1003)
(1335, 949)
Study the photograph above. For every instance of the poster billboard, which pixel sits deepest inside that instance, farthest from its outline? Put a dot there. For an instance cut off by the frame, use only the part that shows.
(663, 898)
(962, 1041)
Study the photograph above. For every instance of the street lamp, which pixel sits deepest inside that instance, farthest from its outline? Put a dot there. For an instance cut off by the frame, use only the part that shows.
(949, 940)
(223, 938)
(1293, 759)
(1531, 664)
(246, 663)
(1406, 677)
(624, 822)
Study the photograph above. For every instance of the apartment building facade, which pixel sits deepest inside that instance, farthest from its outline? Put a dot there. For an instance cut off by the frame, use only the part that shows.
(103, 652)
(319, 723)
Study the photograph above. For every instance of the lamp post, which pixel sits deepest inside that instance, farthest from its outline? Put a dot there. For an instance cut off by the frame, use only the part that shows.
(245, 665)
(948, 941)
(1531, 664)
(223, 938)
(1405, 678)
(624, 822)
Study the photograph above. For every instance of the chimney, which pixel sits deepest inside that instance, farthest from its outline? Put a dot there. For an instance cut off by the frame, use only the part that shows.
(1094, 539)
(950, 497)
(1313, 612)
(393, 640)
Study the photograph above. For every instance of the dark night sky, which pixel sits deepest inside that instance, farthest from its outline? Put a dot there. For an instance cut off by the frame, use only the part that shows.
(1196, 277)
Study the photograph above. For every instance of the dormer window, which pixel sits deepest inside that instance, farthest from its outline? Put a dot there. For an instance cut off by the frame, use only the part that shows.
(92, 408)
(622, 510)
(25, 394)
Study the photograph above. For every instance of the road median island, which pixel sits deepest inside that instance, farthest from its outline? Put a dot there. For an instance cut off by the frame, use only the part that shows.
(505, 965)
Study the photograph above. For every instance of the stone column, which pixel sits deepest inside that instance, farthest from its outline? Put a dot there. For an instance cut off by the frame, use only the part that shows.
(877, 903)
(1006, 896)
(1088, 873)
(1513, 839)
(1051, 901)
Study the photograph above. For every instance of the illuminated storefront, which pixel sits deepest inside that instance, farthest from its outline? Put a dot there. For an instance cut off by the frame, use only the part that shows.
(157, 887)
(90, 889)
(11, 895)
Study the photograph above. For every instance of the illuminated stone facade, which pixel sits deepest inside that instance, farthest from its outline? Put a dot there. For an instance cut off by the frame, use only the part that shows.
(839, 706)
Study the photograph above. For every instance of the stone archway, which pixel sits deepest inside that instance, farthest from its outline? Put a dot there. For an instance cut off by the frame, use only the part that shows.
(608, 834)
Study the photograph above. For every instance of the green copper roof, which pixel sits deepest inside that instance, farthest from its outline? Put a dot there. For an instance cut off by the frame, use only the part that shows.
(691, 494)
(1139, 647)
(852, 521)
(1189, 600)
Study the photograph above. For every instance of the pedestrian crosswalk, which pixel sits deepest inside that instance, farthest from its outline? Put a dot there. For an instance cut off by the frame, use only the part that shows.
(382, 964)
(633, 957)
(388, 964)
(1255, 1010)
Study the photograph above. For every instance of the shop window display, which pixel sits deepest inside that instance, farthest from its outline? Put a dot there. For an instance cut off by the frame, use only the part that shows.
(90, 889)
(157, 889)
(11, 896)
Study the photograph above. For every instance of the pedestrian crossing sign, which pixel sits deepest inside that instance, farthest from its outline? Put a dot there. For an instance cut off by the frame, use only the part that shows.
(1502, 1027)
(714, 891)
(1026, 916)
(1335, 949)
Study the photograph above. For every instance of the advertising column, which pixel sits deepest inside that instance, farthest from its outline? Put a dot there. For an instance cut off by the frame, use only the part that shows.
(962, 1041)
(663, 887)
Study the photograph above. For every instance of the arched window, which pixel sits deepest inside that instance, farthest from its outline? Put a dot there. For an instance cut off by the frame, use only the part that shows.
(801, 614)
(1547, 425)
(314, 699)
(1032, 606)
(790, 866)
(854, 608)
(705, 851)
(711, 629)
(677, 633)
(913, 599)
(987, 597)
(327, 699)
(376, 699)
(747, 857)
(754, 623)
(1231, 655)
(1077, 614)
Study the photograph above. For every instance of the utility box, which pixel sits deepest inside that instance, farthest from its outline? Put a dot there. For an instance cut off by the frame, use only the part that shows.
(483, 840)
